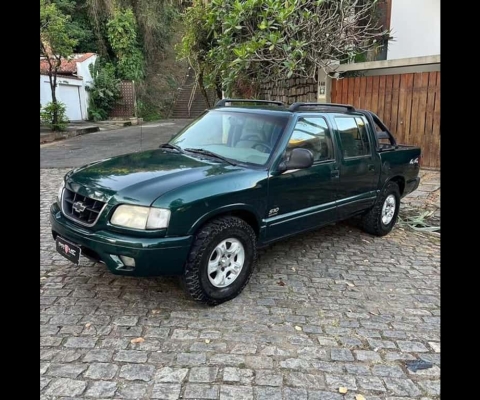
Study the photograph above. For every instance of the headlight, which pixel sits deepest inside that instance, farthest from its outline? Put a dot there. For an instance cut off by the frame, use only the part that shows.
(60, 191)
(138, 217)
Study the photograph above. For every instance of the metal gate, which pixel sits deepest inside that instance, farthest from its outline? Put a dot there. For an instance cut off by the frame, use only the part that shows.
(125, 106)
(409, 104)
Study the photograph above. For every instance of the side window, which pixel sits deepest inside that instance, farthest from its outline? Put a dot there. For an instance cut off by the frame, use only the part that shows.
(313, 134)
(354, 136)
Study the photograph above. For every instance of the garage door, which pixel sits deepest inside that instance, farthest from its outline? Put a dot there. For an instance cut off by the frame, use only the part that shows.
(69, 95)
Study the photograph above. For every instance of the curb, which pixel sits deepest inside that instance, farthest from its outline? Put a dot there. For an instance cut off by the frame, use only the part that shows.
(52, 136)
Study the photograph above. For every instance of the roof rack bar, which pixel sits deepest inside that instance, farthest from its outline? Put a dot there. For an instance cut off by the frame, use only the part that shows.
(296, 106)
(222, 103)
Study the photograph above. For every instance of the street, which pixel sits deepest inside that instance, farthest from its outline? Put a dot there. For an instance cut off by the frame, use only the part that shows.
(327, 309)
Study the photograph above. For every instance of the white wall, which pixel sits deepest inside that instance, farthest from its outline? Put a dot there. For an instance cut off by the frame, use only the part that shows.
(86, 80)
(415, 26)
(84, 72)
(46, 95)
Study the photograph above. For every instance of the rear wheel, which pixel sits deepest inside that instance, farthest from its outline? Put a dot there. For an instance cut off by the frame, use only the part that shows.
(221, 260)
(382, 217)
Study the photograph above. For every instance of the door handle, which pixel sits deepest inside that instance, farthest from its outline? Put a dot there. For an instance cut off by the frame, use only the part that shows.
(371, 167)
(335, 174)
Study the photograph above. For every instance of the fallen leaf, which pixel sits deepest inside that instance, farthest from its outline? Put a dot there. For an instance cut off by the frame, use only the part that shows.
(342, 390)
(281, 283)
(350, 284)
(43, 278)
(298, 328)
(137, 340)
(207, 341)
(88, 325)
(359, 397)
(371, 312)
(156, 311)
(293, 269)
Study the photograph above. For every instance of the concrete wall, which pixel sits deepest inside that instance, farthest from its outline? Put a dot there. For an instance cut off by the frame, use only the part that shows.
(415, 28)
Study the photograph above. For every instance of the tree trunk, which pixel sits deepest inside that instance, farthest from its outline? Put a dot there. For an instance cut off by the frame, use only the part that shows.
(202, 87)
(218, 87)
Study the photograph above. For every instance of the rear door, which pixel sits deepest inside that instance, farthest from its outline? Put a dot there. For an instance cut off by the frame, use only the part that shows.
(358, 168)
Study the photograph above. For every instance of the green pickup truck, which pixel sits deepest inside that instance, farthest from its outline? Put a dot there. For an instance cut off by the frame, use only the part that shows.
(244, 174)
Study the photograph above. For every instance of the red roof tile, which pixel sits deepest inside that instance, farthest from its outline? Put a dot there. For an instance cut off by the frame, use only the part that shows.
(67, 67)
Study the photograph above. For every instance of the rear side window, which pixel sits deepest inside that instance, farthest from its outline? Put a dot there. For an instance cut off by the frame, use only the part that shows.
(353, 135)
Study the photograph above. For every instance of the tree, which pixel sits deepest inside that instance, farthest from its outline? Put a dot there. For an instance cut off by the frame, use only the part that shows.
(55, 44)
(256, 40)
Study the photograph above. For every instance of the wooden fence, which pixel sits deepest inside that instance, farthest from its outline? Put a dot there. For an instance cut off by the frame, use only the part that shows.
(409, 104)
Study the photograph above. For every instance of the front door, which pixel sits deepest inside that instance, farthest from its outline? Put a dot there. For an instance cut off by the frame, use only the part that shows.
(302, 199)
(358, 169)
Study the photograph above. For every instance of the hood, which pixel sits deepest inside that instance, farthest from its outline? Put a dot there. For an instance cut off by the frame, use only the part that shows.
(142, 177)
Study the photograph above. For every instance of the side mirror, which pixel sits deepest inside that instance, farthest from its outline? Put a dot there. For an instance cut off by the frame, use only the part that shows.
(299, 159)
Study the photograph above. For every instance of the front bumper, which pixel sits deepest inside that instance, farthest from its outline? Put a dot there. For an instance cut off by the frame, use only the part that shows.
(153, 256)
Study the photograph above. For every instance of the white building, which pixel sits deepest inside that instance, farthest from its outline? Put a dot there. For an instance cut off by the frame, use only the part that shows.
(415, 26)
(72, 78)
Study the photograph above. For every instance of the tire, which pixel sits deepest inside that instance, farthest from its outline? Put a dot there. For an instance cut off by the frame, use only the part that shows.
(207, 251)
(373, 221)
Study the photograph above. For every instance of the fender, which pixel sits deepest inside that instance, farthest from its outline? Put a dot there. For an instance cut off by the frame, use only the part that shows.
(223, 210)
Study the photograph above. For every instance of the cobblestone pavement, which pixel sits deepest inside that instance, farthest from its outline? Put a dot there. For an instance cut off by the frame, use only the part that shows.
(328, 309)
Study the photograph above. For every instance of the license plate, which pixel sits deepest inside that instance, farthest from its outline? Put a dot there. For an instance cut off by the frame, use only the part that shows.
(68, 250)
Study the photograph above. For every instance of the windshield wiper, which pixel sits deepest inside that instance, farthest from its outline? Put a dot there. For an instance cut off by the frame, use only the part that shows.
(211, 154)
(171, 146)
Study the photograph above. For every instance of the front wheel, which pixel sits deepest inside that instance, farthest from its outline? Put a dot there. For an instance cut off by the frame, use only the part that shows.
(383, 215)
(221, 260)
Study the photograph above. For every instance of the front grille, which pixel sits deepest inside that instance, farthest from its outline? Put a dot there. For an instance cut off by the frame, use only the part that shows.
(80, 208)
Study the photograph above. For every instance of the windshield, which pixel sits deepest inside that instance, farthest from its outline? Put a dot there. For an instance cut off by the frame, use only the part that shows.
(237, 136)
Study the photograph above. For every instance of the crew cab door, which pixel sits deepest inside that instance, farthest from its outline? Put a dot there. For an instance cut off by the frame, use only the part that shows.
(359, 165)
(305, 198)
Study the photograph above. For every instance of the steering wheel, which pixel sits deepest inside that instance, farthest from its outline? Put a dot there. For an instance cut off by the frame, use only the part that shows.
(265, 147)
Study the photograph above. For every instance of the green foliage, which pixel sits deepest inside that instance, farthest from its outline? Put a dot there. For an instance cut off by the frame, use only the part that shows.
(55, 39)
(79, 26)
(105, 90)
(54, 116)
(123, 38)
(235, 41)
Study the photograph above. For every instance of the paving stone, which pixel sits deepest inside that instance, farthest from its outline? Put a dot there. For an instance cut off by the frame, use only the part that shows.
(370, 383)
(402, 387)
(299, 379)
(166, 391)
(228, 392)
(388, 370)
(189, 359)
(265, 377)
(411, 347)
(201, 391)
(241, 375)
(66, 370)
(341, 355)
(168, 374)
(101, 389)
(366, 355)
(130, 390)
(294, 393)
(203, 374)
(65, 387)
(131, 356)
(101, 371)
(267, 393)
(336, 381)
(139, 372)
